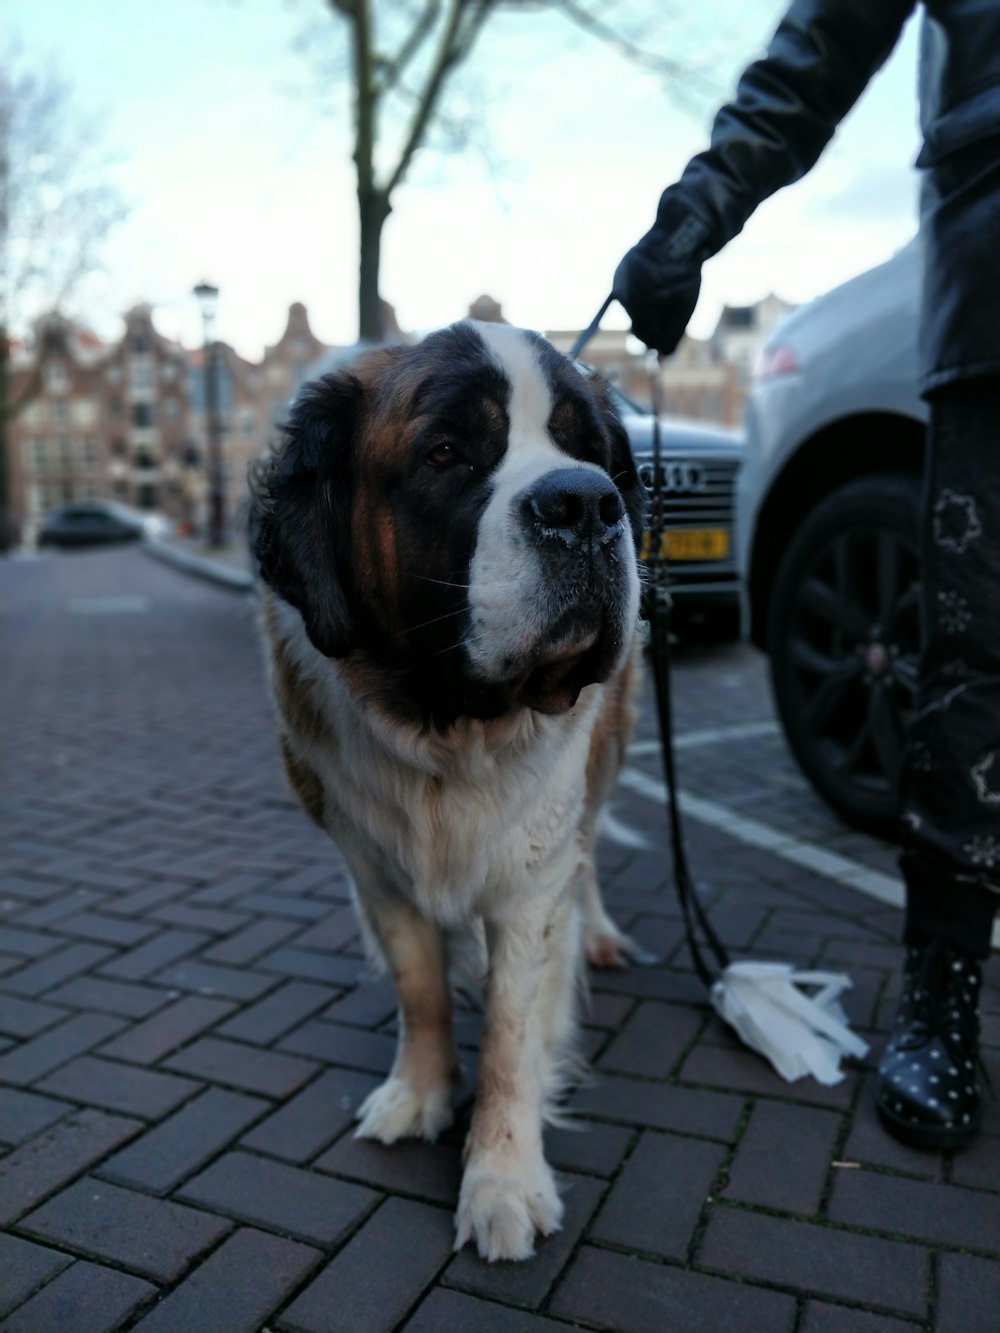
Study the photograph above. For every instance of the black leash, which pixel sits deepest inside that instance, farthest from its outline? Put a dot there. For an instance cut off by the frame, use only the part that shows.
(589, 331)
(656, 610)
(658, 607)
(791, 1017)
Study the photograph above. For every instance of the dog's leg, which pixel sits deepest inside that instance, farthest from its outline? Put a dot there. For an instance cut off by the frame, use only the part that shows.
(414, 1101)
(604, 943)
(508, 1190)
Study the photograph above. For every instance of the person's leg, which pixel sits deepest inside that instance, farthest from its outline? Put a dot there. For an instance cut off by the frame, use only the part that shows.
(927, 1091)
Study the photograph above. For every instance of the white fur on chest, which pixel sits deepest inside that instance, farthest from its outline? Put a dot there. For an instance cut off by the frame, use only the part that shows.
(452, 821)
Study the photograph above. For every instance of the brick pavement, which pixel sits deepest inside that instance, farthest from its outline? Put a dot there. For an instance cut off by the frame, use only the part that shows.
(187, 1024)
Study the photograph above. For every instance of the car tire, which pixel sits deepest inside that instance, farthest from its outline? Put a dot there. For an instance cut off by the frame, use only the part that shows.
(844, 638)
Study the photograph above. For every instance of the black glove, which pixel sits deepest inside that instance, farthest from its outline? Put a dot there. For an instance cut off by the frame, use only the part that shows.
(659, 279)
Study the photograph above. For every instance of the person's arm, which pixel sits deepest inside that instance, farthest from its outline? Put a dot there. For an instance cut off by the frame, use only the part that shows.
(786, 108)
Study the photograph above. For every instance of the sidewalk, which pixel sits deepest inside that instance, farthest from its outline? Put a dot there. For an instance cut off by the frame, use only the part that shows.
(189, 1025)
(228, 566)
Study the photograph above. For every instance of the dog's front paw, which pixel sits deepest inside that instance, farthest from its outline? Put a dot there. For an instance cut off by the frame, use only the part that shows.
(397, 1110)
(502, 1212)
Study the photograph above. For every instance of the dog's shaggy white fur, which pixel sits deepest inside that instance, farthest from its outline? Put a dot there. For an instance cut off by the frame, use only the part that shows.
(448, 539)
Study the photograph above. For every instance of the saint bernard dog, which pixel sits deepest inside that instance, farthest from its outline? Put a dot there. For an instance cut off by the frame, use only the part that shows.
(447, 545)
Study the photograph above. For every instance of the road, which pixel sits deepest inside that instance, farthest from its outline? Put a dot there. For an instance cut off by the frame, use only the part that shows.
(188, 1024)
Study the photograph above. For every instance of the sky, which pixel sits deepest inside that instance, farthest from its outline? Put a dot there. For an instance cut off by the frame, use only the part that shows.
(226, 127)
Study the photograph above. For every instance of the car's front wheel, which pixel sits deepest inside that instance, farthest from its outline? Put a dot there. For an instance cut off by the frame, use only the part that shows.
(844, 638)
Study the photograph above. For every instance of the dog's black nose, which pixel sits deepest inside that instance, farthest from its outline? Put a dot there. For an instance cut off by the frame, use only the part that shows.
(575, 504)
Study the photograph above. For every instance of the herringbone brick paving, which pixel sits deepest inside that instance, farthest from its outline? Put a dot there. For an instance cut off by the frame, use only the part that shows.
(188, 1024)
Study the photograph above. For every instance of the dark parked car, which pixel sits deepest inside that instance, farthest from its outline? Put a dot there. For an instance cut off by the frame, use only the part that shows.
(700, 465)
(827, 527)
(97, 523)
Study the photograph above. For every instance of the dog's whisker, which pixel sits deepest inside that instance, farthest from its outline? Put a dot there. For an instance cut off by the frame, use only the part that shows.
(445, 583)
(448, 615)
(466, 587)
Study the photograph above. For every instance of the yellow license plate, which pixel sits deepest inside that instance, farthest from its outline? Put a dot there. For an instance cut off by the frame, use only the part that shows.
(690, 544)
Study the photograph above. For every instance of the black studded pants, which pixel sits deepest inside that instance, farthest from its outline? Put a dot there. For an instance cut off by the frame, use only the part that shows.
(951, 773)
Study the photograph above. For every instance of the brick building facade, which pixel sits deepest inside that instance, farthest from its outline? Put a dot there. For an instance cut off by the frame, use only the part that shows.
(126, 420)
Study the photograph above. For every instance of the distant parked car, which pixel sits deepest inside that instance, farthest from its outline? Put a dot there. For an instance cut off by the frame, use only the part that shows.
(827, 521)
(99, 522)
(700, 466)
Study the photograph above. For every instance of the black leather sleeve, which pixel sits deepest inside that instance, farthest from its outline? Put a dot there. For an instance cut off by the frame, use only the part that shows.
(787, 106)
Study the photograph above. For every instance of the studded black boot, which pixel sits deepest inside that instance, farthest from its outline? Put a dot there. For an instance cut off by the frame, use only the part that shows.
(926, 1093)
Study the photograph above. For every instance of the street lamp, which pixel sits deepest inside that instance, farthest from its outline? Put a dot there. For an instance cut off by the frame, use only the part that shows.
(208, 299)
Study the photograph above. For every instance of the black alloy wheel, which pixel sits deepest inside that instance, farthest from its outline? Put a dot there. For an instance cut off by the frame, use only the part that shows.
(844, 640)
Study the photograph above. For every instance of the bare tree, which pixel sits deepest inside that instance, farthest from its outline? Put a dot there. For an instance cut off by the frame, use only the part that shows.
(408, 52)
(56, 208)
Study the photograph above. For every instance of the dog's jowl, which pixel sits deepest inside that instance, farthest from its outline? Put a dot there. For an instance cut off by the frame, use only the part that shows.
(447, 539)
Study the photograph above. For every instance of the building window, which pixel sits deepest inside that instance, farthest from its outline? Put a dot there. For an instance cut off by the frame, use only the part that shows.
(138, 345)
(65, 454)
(144, 460)
(142, 414)
(60, 413)
(140, 375)
(739, 317)
(56, 378)
(36, 455)
(147, 496)
(83, 412)
(88, 450)
(34, 414)
(120, 490)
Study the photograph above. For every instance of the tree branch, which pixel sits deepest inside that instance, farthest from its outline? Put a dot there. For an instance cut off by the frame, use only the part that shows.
(675, 70)
(462, 26)
(391, 70)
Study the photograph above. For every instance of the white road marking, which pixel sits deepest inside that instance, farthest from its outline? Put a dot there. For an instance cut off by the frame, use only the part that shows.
(691, 740)
(617, 830)
(754, 833)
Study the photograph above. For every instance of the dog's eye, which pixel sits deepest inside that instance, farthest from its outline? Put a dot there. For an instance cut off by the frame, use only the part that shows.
(445, 455)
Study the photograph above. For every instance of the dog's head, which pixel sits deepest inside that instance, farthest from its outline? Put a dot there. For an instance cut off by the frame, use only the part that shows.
(465, 514)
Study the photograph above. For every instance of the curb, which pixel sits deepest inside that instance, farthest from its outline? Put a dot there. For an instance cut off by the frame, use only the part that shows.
(238, 580)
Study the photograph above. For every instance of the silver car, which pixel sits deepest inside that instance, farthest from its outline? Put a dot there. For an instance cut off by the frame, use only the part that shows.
(827, 513)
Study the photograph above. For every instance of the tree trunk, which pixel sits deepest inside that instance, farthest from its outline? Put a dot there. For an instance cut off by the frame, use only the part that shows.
(373, 209)
(6, 480)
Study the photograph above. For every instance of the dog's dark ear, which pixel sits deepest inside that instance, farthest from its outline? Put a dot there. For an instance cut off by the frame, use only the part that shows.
(301, 511)
(624, 472)
(626, 478)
